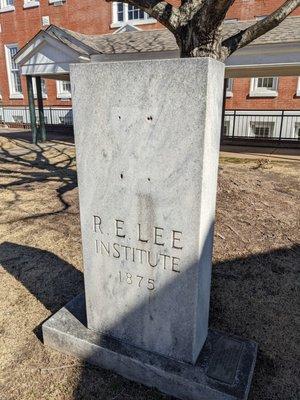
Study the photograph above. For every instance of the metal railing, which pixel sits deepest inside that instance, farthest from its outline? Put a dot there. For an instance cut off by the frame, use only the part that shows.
(279, 125)
(20, 115)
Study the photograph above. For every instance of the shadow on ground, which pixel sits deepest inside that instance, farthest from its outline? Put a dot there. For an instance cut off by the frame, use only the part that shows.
(26, 135)
(24, 164)
(254, 297)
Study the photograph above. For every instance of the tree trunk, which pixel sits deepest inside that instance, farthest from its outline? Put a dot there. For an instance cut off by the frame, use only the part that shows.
(194, 41)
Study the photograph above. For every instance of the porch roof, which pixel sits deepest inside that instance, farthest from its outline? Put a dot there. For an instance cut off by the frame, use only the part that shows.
(51, 51)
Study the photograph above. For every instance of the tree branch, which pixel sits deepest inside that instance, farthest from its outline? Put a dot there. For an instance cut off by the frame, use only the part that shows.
(189, 8)
(222, 6)
(163, 11)
(246, 36)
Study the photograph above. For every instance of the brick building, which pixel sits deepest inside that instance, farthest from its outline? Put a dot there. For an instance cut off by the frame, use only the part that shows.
(20, 20)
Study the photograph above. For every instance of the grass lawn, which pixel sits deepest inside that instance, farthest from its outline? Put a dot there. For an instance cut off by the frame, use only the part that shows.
(254, 283)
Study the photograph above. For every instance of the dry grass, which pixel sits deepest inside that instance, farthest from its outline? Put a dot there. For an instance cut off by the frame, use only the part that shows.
(254, 282)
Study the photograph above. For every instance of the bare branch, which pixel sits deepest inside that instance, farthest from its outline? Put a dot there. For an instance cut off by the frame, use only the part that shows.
(163, 11)
(246, 36)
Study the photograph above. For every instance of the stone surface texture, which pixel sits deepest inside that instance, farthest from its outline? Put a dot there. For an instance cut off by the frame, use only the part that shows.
(147, 136)
(223, 370)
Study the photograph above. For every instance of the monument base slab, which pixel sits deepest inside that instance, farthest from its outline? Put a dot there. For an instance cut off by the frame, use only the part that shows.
(223, 370)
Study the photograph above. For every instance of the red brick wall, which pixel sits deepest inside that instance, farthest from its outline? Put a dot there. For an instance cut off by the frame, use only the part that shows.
(286, 99)
(95, 17)
(250, 9)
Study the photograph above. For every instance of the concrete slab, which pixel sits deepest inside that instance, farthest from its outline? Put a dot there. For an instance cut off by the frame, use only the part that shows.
(223, 370)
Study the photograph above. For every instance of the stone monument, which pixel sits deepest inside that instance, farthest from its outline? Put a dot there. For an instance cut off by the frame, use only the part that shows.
(147, 138)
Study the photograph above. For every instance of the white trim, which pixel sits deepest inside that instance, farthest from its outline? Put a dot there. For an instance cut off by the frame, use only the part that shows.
(7, 9)
(31, 4)
(43, 38)
(256, 91)
(15, 96)
(133, 22)
(56, 1)
(298, 88)
(117, 24)
(230, 20)
(123, 28)
(229, 91)
(12, 93)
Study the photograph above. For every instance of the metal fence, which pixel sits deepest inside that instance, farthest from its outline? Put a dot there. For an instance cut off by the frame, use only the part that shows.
(262, 125)
(238, 124)
(20, 115)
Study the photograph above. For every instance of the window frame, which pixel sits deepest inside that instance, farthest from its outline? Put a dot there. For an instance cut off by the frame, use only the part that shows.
(256, 91)
(262, 124)
(7, 7)
(61, 93)
(117, 24)
(31, 3)
(229, 89)
(13, 94)
(297, 131)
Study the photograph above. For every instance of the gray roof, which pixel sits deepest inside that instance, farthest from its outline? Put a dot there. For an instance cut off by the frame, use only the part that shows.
(162, 39)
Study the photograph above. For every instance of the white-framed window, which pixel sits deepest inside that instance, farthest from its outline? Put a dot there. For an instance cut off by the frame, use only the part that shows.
(262, 129)
(229, 87)
(297, 131)
(31, 3)
(226, 128)
(63, 89)
(18, 119)
(14, 79)
(129, 14)
(7, 5)
(264, 87)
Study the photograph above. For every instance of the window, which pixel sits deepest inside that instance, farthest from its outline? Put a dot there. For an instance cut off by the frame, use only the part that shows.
(63, 89)
(264, 87)
(226, 128)
(18, 118)
(14, 80)
(7, 5)
(229, 87)
(297, 131)
(128, 13)
(135, 13)
(265, 83)
(66, 120)
(262, 129)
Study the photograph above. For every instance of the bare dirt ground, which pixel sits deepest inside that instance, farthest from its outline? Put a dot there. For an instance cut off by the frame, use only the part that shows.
(254, 292)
